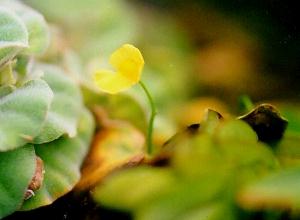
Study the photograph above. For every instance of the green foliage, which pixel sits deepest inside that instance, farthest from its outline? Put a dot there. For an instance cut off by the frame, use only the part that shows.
(218, 171)
(288, 151)
(214, 170)
(41, 114)
(37, 28)
(131, 109)
(62, 158)
(66, 96)
(102, 25)
(22, 29)
(151, 183)
(13, 37)
(277, 191)
(205, 173)
(22, 114)
(16, 170)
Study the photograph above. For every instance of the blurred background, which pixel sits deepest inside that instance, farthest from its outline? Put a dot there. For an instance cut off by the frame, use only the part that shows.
(198, 53)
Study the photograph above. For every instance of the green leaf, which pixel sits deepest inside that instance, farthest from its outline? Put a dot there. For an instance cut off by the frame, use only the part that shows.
(24, 70)
(157, 193)
(182, 198)
(278, 191)
(211, 120)
(13, 35)
(240, 151)
(126, 107)
(131, 109)
(213, 211)
(16, 171)
(236, 131)
(104, 24)
(36, 26)
(5, 90)
(196, 156)
(149, 184)
(64, 113)
(7, 77)
(62, 160)
(292, 113)
(288, 151)
(22, 114)
(233, 143)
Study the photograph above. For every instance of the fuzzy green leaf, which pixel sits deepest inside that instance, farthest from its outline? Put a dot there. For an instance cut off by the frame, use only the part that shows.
(35, 23)
(22, 114)
(16, 170)
(13, 35)
(62, 160)
(65, 108)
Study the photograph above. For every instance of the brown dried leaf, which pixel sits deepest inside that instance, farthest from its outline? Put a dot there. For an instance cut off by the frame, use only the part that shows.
(114, 147)
(37, 179)
(267, 122)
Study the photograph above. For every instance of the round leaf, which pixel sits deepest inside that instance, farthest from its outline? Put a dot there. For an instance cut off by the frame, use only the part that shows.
(22, 114)
(65, 108)
(13, 35)
(16, 170)
(36, 25)
(62, 160)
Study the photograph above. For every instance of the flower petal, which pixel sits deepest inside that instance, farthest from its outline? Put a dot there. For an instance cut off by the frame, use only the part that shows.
(129, 62)
(111, 82)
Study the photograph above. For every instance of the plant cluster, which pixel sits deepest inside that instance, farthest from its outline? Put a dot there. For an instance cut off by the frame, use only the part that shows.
(45, 130)
(225, 167)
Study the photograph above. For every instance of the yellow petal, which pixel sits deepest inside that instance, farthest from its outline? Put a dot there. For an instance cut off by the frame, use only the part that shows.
(111, 82)
(128, 61)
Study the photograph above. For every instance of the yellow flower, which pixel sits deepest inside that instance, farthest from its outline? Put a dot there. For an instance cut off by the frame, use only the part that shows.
(128, 62)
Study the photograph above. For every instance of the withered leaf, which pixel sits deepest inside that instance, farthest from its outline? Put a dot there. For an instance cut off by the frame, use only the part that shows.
(37, 179)
(267, 122)
(113, 147)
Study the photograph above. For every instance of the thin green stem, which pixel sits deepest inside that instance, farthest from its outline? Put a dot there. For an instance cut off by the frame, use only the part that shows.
(151, 120)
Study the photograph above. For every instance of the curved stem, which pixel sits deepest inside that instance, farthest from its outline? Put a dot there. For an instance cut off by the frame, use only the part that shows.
(151, 120)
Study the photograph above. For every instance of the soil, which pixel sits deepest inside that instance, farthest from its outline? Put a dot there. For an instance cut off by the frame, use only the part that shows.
(71, 207)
